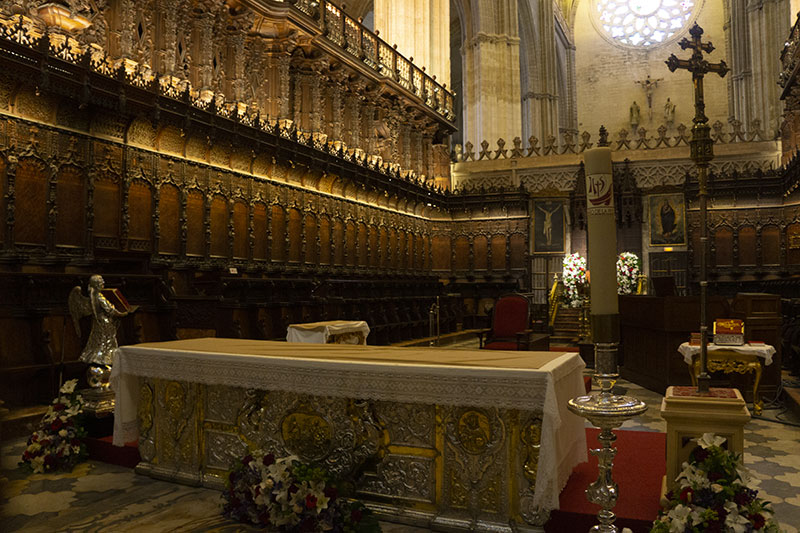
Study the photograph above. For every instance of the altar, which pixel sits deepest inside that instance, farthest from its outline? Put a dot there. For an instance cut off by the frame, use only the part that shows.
(446, 439)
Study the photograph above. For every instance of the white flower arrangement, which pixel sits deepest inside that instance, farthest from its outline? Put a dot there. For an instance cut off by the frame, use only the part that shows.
(574, 277)
(628, 270)
(712, 495)
(58, 443)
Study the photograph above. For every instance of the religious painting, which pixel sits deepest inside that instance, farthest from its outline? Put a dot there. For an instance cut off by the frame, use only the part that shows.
(548, 226)
(667, 219)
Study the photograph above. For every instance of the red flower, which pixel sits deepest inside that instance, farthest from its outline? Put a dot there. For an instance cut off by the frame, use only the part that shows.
(331, 493)
(56, 424)
(686, 495)
(311, 501)
(59, 407)
(355, 515)
(247, 459)
(268, 459)
(758, 520)
(715, 476)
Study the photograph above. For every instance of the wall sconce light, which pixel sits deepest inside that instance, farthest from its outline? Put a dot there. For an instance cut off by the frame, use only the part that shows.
(55, 14)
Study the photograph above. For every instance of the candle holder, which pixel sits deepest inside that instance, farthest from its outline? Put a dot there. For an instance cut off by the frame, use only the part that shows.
(606, 411)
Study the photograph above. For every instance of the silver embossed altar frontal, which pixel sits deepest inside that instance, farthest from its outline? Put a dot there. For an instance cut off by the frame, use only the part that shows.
(447, 439)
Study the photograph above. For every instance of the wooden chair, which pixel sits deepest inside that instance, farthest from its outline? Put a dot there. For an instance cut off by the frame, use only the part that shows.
(510, 325)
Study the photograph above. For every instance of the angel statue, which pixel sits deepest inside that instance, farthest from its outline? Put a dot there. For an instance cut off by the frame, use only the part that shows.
(99, 350)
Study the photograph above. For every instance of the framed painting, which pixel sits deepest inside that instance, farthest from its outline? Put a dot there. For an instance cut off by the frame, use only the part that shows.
(548, 227)
(667, 219)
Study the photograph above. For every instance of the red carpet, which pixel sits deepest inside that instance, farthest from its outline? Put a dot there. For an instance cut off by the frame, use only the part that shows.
(638, 468)
(102, 450)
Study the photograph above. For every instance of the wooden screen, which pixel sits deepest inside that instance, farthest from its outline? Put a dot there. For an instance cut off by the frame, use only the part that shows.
(310, 230)
(391, 252)
(420, 254)
(441, 252)
(71, 213)
(383, 252)
(338, 242)
(140, 211)
(106, 211)
(260, 231)
(374, 250)
(278, 232)
(195, 230)
(241, 235)
(747, 246)
(771, 245)
(325, 241)
(295, 235)
(793, 244)
(518, 251)
(499, 252)
(31, 202)
(219, 226)
(169, 220)
(480, 246)
(3, 180)
(362, 244)
(461, 261)
(723, 246)
(350, 242)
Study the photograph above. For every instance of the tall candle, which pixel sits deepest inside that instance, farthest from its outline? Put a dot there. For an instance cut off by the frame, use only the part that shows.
(602, 229)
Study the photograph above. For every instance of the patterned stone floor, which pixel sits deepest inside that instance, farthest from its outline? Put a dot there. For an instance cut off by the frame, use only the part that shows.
(101, 497)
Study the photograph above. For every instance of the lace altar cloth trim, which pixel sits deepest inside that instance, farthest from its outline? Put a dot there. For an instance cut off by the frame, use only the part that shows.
(764, 351)
(544, 390)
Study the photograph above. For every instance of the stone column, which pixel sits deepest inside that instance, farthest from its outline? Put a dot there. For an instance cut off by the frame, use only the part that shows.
(491, 76)
(420, 29)
(755, 32)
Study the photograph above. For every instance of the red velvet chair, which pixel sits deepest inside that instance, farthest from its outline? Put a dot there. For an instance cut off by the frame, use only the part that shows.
(510, 325)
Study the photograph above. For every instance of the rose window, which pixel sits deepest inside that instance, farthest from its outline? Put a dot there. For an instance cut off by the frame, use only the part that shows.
(642, 23)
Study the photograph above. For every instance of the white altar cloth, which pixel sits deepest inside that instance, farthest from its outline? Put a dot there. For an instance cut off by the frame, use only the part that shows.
(320, 332)
(536, 381)
(764, 351)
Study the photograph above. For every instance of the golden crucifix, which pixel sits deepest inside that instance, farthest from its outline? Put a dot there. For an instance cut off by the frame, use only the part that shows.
(702, 152)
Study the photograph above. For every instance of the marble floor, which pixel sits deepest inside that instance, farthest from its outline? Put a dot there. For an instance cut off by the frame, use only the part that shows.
(101, 497)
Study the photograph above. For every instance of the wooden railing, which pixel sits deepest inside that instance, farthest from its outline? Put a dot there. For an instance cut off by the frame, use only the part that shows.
(357, 40)
(555, 296)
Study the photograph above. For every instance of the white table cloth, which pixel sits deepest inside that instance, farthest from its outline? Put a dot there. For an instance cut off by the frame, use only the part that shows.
(535, 381)
(764, 351)
(321, 332)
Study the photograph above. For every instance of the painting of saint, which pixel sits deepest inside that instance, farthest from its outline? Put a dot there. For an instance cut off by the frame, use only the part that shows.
(667, 219)
(548, 225)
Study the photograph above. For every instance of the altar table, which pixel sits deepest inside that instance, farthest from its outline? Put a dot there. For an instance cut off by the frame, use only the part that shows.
(447, 439)
(329, 332)
(729, 359)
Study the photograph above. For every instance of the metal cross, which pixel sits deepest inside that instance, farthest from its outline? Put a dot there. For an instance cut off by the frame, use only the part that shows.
(698, 66)
(702, 152)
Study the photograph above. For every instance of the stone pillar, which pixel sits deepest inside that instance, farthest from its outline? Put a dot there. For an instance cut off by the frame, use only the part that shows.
(755, 32)
(491, 76)
(420, 29)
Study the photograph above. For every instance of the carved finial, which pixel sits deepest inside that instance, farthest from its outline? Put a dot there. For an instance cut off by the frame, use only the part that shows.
(603, 137)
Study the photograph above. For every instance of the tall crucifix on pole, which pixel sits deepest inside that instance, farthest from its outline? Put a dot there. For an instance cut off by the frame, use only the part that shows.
(702, 152)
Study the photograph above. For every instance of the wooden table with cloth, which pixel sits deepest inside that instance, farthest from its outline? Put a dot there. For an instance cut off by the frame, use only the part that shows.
(460, 439)
(329, 332)
(729, 359)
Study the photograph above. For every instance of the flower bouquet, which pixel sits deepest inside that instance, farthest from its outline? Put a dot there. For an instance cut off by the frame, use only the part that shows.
(58, 443)
(628, 269)
(289, 496)
(574, 276)
(712, 496)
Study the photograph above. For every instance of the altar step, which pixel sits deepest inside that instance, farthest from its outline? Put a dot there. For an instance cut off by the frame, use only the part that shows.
(466, 337)
(20, 421)
(566, 329)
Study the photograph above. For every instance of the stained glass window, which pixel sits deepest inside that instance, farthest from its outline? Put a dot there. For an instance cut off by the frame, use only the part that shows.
(643, 23)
